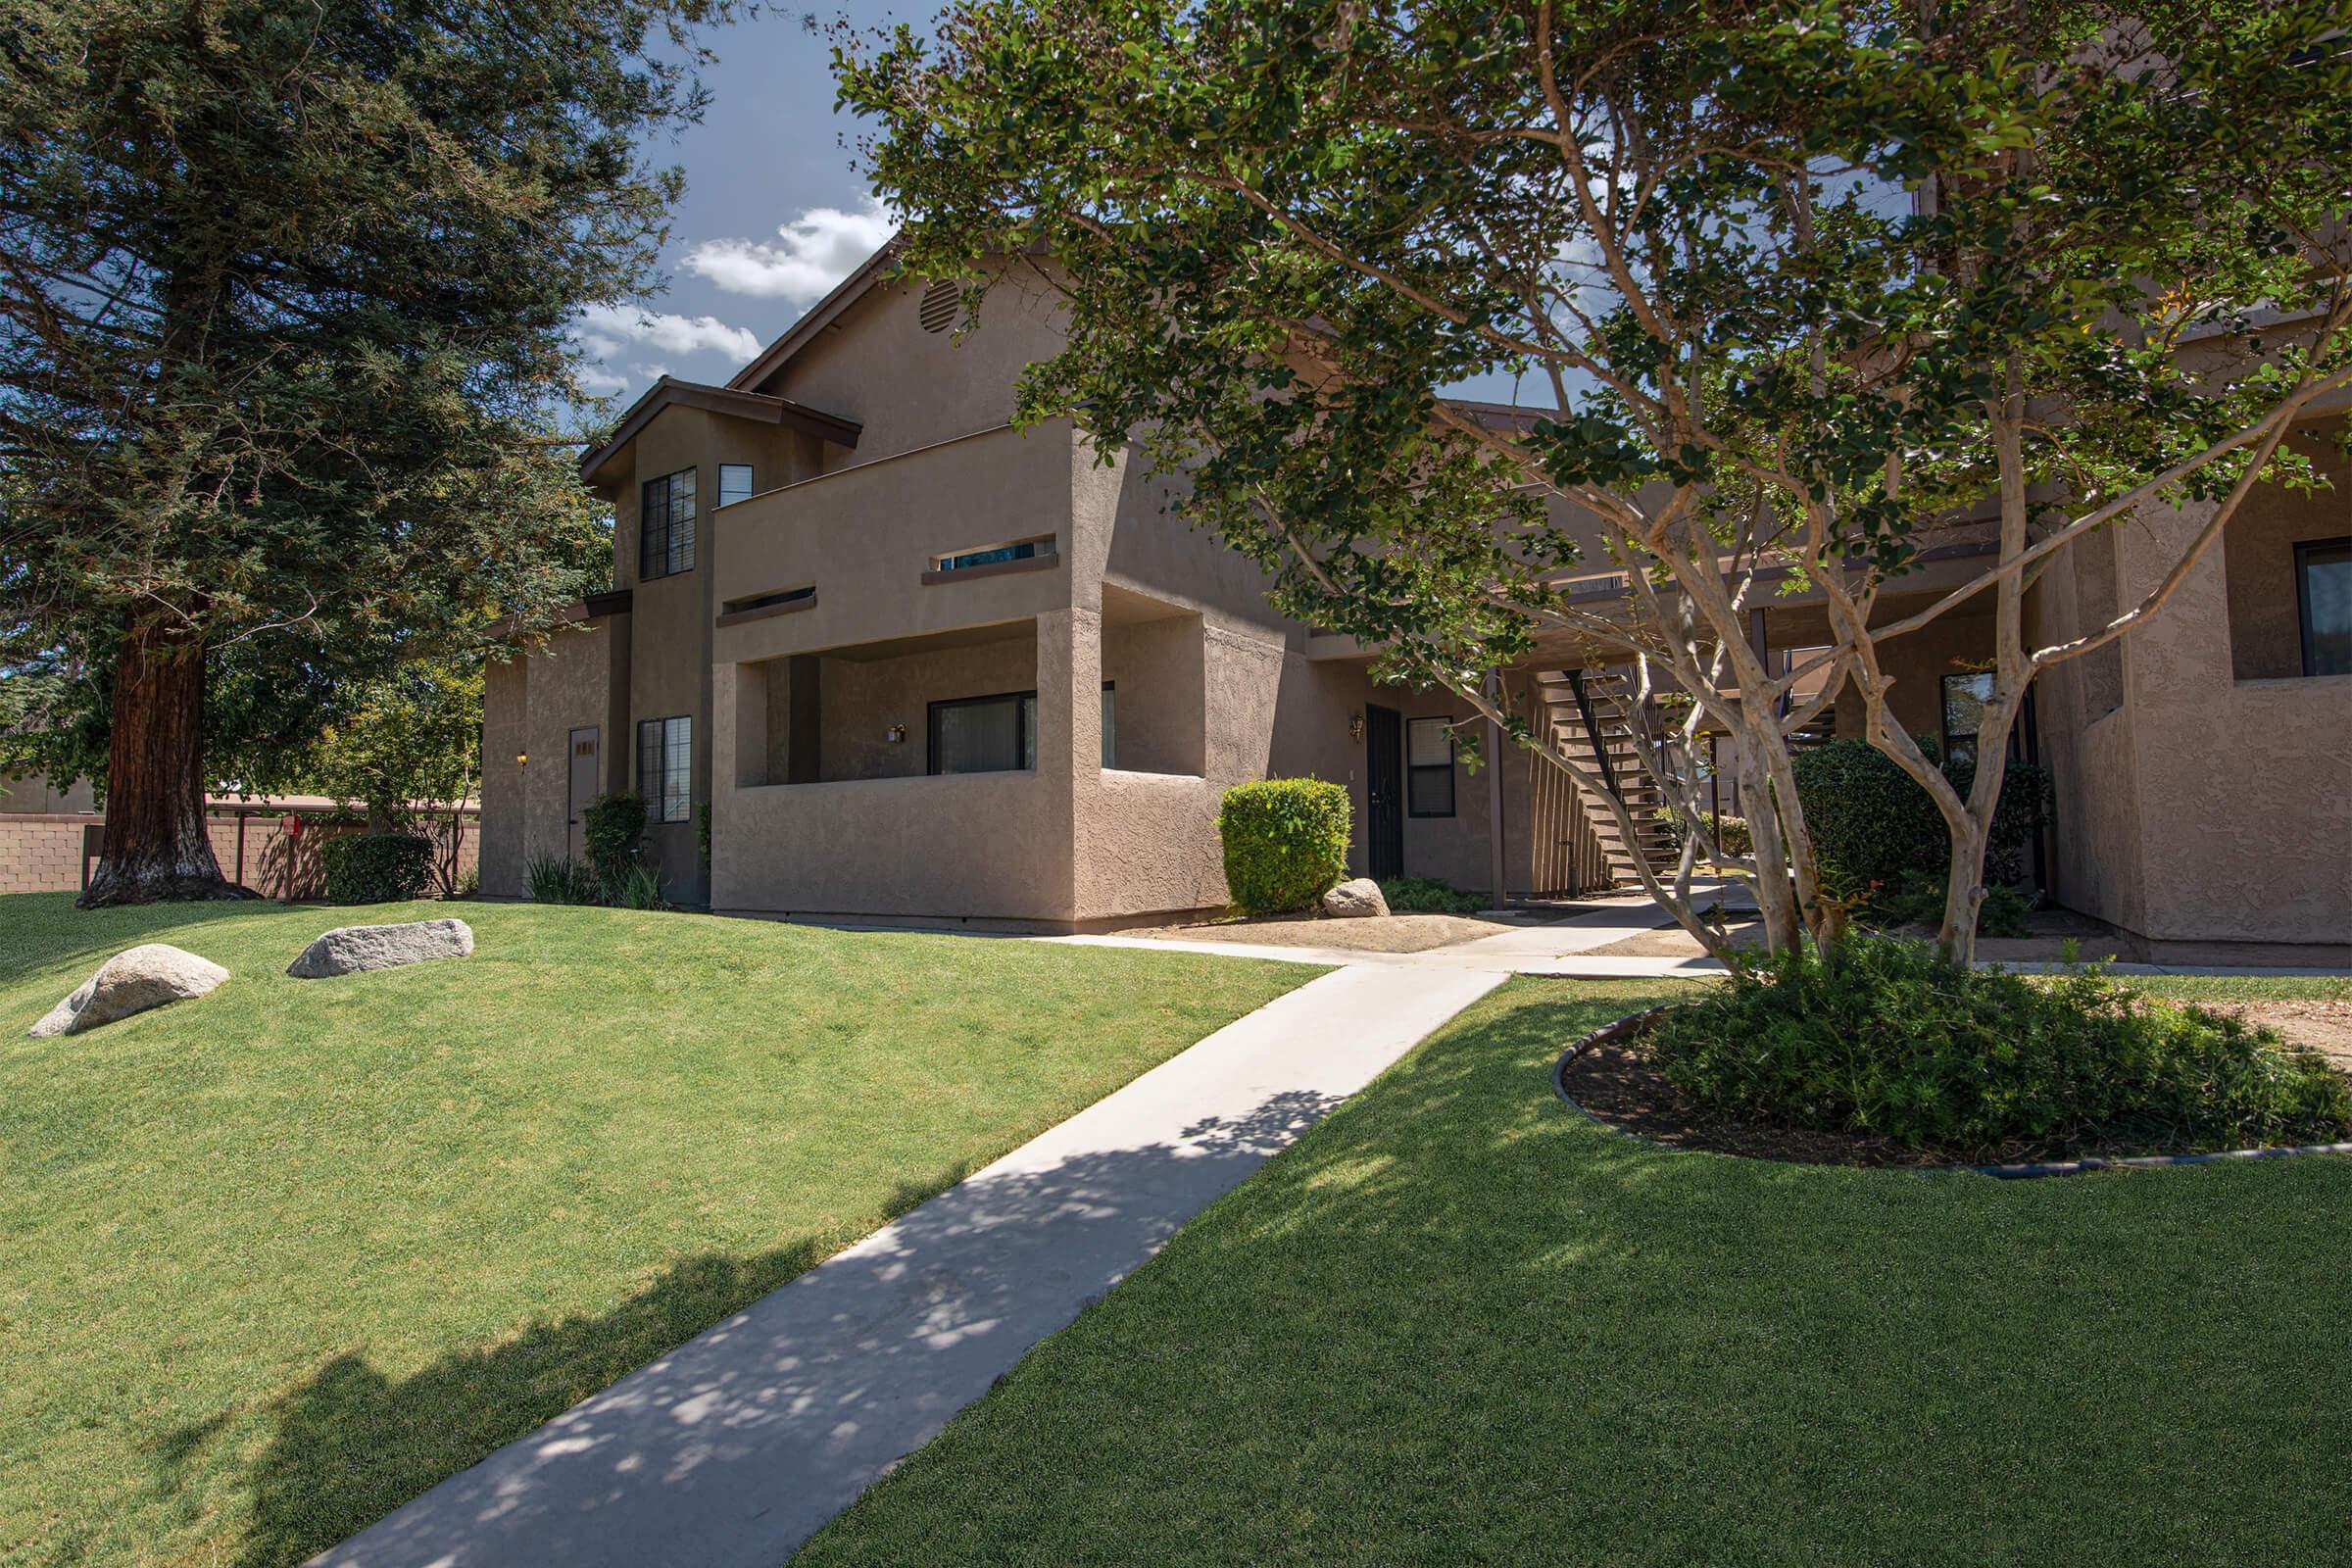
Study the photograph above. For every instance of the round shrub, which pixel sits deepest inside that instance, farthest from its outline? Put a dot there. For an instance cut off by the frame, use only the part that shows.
(1286, 843)
(1888, 1039)
(614, 826)
(376, 867)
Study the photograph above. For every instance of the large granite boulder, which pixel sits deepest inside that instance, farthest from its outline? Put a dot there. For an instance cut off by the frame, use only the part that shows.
(1352, 899)
(131, 981)
(351, 948)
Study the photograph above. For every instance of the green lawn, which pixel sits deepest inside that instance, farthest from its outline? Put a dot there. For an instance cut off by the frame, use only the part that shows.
(273, 1262)
(1459, 1324)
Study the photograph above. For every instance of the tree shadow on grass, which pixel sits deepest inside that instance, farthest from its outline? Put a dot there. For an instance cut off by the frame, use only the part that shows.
(352, 1444)
(759, 1430)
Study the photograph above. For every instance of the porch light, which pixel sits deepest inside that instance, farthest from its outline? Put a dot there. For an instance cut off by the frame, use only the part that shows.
(896, 734)
(1355, 726)
(522, 759)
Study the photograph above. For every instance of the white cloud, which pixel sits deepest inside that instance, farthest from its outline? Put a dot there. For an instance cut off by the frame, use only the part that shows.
(598, 382)
(810, 254)
(605, 331)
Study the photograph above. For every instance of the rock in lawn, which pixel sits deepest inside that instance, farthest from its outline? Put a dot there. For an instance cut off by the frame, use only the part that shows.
(350, 948)
(1360, 897)
(131, 981)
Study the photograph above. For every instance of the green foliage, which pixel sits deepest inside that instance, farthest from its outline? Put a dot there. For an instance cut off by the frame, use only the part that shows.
(560, 879)
(1428, 894)
(1729, 832)
(376, 867)
(395, 747)
(1286, 843)
(637, 887)
(1873, 825)
(1918, 902)
(287, 301)
(615, 828)
(1888, 1038)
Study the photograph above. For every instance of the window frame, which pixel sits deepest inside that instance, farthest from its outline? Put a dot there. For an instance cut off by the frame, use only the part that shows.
(749, 486)
(655, 792)
(2305, 552)
(1004, 555)
(652, 563)
(1024, 707)
(1944, 712)
(1413, 770)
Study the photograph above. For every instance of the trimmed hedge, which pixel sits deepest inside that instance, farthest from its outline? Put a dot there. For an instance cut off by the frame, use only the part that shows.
(1286, 843)
(614, 826)
(376, 867)
(1891, 1039)
(1872, 823)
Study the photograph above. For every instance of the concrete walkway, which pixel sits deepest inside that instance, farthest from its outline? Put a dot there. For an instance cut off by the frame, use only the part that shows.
(734, 1448)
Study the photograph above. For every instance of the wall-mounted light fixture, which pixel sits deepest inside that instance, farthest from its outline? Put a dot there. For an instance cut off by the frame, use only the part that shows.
(896, 734)
(1355, 726)
(522, 759)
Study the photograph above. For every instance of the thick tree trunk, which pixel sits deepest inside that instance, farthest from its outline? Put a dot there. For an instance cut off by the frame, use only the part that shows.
(156, 844)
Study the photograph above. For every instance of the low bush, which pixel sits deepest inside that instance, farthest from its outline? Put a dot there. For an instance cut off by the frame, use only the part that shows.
(637, 888)
(559, 880)
(1886, 1038)
(376, 867)
(1920, 902)
(1286, 843)
(1872, 823)
(1731, 833)
(1428, 894)
(614, 826)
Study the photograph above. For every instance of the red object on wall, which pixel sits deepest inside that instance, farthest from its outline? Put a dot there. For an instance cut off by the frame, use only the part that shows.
(290, 826)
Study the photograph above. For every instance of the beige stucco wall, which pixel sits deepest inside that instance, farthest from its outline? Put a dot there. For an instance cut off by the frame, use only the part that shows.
(32, 792)
(531, 706)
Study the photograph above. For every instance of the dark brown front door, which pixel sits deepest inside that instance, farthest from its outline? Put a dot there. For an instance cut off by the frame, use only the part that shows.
(1384, 791)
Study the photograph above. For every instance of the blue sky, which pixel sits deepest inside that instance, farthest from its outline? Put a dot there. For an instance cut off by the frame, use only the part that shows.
(773, 215)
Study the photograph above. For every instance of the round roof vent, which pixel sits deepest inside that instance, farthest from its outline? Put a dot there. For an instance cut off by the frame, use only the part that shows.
(936, 312)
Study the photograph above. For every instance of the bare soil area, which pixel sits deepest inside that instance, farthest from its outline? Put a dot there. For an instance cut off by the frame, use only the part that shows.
(1393, 933)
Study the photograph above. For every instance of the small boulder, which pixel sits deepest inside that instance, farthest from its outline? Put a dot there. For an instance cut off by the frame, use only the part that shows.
(351, 948)
(131, 981)
(1351, 900)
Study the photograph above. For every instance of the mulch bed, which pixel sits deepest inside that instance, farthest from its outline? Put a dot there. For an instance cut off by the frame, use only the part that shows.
(1609, 1077)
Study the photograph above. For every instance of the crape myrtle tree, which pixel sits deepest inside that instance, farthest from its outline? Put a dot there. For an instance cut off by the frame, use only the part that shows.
(284, 291)
(1798, 287)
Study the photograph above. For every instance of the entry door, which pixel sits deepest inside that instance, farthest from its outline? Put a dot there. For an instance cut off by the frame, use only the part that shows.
(584, 775)
(1383, 791)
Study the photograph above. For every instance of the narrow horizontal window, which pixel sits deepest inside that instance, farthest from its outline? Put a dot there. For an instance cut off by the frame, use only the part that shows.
(1020, 550)
(783, 596)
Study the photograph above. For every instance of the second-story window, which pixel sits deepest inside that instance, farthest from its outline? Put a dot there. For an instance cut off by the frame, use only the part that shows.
(734, 483)
(665, 526)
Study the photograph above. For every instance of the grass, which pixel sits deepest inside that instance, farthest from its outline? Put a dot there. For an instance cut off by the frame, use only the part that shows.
(1459, 1324)
(278, 1259)
(2234, 987)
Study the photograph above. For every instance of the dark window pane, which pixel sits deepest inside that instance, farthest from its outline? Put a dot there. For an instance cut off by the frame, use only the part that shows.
(1429, 790)
(988, 735)
(1964, 700)
(2325, 584)
(1026, 550)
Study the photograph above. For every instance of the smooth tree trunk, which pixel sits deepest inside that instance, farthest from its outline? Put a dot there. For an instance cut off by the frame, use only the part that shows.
(157, 849)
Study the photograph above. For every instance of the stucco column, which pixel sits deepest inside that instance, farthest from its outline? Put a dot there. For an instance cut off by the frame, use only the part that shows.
(1069, 746)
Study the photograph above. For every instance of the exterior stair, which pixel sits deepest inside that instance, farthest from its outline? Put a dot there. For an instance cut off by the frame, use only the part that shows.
(1607, 745)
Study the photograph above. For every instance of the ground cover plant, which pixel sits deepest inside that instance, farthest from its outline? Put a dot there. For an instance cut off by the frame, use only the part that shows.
(1428, 894)
(1889, 1039)
(1460, 1323)
(281, 1259)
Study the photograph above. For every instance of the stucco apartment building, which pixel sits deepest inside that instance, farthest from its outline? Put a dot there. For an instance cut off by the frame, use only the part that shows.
(916, 665)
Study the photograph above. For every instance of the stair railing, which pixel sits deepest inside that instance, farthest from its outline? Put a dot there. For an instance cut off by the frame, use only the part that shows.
(1600, 748)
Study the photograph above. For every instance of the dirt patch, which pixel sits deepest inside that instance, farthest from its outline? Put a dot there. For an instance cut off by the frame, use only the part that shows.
(2324, 1026)
(1673, 942)
(1393, 933)
(1614, 1082)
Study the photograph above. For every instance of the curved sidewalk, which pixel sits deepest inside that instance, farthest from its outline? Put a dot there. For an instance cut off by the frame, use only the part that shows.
(731, 1450)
